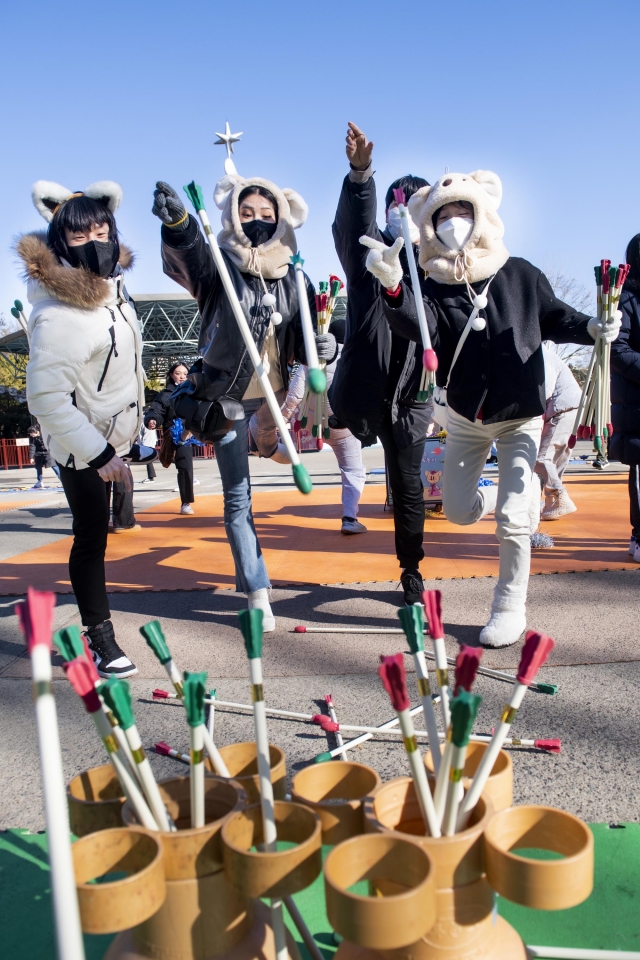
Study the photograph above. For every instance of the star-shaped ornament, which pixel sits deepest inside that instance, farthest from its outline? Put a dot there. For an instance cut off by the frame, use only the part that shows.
(227, 139)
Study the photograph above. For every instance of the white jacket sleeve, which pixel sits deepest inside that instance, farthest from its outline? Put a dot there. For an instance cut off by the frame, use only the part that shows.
(55, 364)
(295, 392)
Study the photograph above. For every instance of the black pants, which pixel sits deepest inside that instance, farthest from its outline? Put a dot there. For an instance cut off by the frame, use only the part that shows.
(123, 515)
(405, 481)
(88, 497)
(151, 473)
(184, 466)
(634, 499)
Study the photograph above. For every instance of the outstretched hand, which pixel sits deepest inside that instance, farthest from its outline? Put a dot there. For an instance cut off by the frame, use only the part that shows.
(167, 205)
(384, 262)
(359, 149)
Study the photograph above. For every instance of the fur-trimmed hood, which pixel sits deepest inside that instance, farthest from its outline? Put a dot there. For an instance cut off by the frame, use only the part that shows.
(73, 286)
(274, 256)
(484, 252)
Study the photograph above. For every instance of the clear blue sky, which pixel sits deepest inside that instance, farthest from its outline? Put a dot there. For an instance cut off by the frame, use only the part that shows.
(543, 93)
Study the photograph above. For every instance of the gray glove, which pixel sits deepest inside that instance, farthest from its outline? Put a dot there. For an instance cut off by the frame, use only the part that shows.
(168, 206)
(326, 346)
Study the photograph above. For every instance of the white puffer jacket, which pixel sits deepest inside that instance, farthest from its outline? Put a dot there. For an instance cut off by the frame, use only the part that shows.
(85, 382)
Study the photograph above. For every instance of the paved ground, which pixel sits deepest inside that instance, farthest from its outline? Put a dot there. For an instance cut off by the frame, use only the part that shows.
(596, 666)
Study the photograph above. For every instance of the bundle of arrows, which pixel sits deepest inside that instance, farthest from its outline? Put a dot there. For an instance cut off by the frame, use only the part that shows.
(313, 411)
(593, 418)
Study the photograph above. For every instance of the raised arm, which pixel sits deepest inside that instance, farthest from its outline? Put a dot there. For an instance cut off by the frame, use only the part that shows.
(186, 256)
(560, 322)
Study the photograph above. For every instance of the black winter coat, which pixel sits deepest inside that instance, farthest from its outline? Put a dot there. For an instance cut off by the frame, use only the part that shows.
(625, 381)
(379, 372)
(501, 368)
(187, 259)
(161, 409)
(38, 451)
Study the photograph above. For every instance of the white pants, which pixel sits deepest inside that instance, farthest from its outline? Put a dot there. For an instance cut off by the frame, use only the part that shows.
(468, 445)
(554, 453)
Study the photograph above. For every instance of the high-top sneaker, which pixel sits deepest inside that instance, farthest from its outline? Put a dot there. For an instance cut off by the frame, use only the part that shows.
(413, 586)
(109, 659)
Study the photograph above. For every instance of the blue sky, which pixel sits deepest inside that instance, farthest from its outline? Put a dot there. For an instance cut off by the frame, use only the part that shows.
(545, 94)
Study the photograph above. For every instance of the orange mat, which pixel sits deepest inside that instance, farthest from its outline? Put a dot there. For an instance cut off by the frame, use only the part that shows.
(301, 542)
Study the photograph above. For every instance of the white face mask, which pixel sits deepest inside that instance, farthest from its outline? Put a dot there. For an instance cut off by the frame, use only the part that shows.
(394, 225)
(455, 232)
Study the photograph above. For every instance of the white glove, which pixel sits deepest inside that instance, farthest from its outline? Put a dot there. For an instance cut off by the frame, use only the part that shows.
(384, 262)
(606, 331)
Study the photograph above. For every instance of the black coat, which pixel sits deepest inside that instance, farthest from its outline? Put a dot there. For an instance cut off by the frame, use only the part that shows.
(501, 368)
(625, 381)
(161, 409)
(38, 451)
(379, 372)
(187, 259)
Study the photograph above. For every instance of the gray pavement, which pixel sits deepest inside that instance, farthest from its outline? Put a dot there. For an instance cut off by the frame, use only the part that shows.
(596, 664)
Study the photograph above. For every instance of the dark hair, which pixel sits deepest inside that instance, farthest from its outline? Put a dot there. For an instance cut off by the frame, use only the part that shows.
(633, 259)
(409, 184)
(263, 192)
(174, 366)
(78, 213)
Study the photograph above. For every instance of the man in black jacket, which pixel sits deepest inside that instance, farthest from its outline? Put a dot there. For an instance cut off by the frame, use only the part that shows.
(377, 379)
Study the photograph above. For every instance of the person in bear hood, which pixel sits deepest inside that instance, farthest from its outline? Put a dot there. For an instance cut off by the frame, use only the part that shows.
(85, 382)
(257, 242)
(488, 313)
(374, 391)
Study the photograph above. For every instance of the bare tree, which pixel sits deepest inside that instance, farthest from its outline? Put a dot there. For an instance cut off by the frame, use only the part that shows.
(577, 296)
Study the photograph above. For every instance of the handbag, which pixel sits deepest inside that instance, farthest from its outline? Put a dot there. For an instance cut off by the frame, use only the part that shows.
(439, 413)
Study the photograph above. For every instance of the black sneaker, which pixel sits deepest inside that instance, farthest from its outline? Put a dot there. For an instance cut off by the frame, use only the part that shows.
(413, 585)
(109, 659)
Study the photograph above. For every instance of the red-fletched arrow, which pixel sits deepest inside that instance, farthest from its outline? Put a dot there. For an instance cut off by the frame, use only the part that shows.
(467, 663)
(327, 724)
(393, 675)
(432, 600)
(159, 694)
(80, 677)
(537, 647)
(35, 615)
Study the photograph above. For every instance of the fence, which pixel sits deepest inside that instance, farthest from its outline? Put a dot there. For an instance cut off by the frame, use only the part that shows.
(14, 454)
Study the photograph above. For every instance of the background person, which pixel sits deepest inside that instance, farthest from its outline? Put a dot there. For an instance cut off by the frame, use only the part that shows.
(160, 413)
(377, 380)
(39, 456)
(625, 390)
(84, 379)
(257, 242)
(148, 438)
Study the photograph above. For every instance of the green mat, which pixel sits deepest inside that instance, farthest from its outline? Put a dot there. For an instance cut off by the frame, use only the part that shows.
(607, 920)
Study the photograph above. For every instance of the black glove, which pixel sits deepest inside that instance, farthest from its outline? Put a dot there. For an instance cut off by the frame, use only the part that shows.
(168, 206)
(326, 346)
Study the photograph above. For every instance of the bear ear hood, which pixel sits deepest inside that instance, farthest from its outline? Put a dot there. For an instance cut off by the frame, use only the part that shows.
(271, 259)
(484, 252)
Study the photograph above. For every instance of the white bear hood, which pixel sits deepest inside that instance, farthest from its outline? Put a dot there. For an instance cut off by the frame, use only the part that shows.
(484, 253)
(271, 259)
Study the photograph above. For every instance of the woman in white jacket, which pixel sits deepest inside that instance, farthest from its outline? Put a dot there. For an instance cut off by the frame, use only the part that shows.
(85, 382)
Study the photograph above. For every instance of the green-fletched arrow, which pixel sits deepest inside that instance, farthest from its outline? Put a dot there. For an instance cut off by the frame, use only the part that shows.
(18, 304)
(323, 286)
(69, 643)
(464, 709)
(251, 626)
(412, 620)
(117, 696)
(15, 313)
(152, 632)
(296, 258)
(194, 192)
(194, 688)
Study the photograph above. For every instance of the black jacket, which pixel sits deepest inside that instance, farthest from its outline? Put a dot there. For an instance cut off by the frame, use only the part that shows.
(187, 259)
(501, 368)
(625, 381)
(161, 409)
(38, 450)
(378, 372)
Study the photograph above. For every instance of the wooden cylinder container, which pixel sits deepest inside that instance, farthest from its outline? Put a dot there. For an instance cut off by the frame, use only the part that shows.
(242, 763)
(499, 786)
(335, 792)
(95, 800)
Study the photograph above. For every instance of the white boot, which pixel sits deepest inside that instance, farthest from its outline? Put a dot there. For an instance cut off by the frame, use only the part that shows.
(259, 599)
(505, 628)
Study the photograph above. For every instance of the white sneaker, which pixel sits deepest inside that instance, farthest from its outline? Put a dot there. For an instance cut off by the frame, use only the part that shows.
(504, 629)
(259, 599)
(37, 485)
(633, 543)
(557, 504)
(350, 527)
(186, 508)
(196, 482)
(149, 480)
(636, 553)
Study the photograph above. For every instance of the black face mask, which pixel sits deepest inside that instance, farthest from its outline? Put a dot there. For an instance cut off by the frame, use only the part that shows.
(259, 231)
(98, 257)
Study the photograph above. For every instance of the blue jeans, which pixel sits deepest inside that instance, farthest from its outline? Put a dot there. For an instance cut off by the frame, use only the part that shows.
(232, 454)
